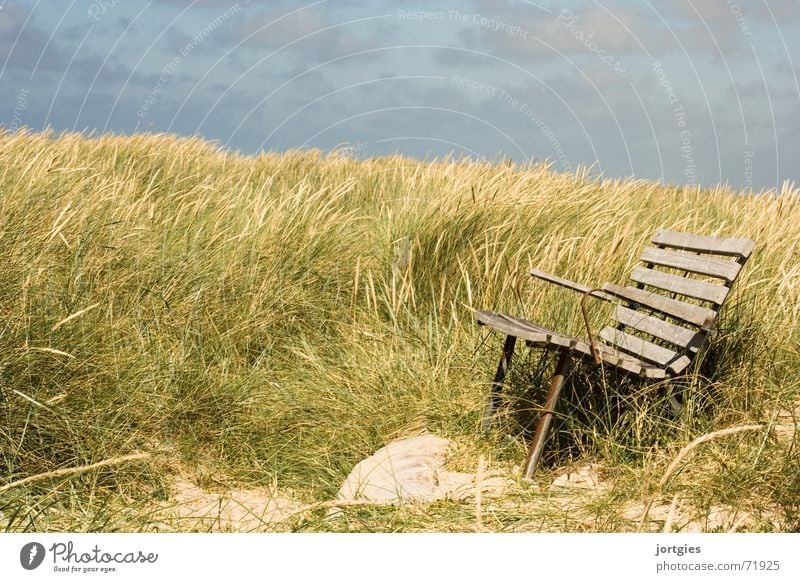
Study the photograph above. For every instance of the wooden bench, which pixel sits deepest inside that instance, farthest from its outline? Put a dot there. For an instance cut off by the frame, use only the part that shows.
(659, 324)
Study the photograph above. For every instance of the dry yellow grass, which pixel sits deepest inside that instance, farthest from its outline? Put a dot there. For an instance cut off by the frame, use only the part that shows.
(282, 316)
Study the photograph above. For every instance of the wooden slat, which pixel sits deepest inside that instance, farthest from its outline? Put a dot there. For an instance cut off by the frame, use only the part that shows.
(682, 285)
(539, 336)
(721, 268)
(693, 314)
(524, 329)
(738, 247)
(674, 334)
(645, 350)
(628, 363)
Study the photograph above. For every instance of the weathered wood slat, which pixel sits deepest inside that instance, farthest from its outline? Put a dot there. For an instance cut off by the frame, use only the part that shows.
(713, 267)
(682, 285)
(693, 314)
(524, 329)
(674, 334)
(614, 358)
(536, 335)
(738, 247)
(628, 363)
(645, 350)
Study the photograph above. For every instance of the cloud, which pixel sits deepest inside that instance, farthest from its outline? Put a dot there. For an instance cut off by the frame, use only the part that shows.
(204, 3)
(618, 39)
(23, 44)
(727, 27)
(315, 34)
(764, 11)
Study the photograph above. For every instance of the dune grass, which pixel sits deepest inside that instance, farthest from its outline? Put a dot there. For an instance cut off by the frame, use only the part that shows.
(280, 317)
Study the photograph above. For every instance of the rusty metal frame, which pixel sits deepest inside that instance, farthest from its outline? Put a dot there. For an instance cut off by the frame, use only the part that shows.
(592, 342)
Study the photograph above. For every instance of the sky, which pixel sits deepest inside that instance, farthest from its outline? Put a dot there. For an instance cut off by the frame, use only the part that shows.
(676, 91)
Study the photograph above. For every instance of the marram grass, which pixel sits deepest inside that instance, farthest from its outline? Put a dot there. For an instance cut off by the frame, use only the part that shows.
(277, 318)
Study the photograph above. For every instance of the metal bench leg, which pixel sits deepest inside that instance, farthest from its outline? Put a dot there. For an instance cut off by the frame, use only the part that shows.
(497, 383)
(540, 437)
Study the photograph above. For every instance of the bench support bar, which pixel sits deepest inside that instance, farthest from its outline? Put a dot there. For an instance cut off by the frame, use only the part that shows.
(497, 383)
(540, 437)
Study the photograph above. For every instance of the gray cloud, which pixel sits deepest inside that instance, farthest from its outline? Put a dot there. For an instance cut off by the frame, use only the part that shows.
(23, 44)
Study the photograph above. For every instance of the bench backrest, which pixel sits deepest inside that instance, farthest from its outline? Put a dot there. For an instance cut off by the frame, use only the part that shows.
(677, 292)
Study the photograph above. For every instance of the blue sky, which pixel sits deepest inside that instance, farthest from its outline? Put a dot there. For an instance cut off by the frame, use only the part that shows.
(679, 91)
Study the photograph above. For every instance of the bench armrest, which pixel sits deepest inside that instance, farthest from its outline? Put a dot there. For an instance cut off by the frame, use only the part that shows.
(580, 288)
(585, 292)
